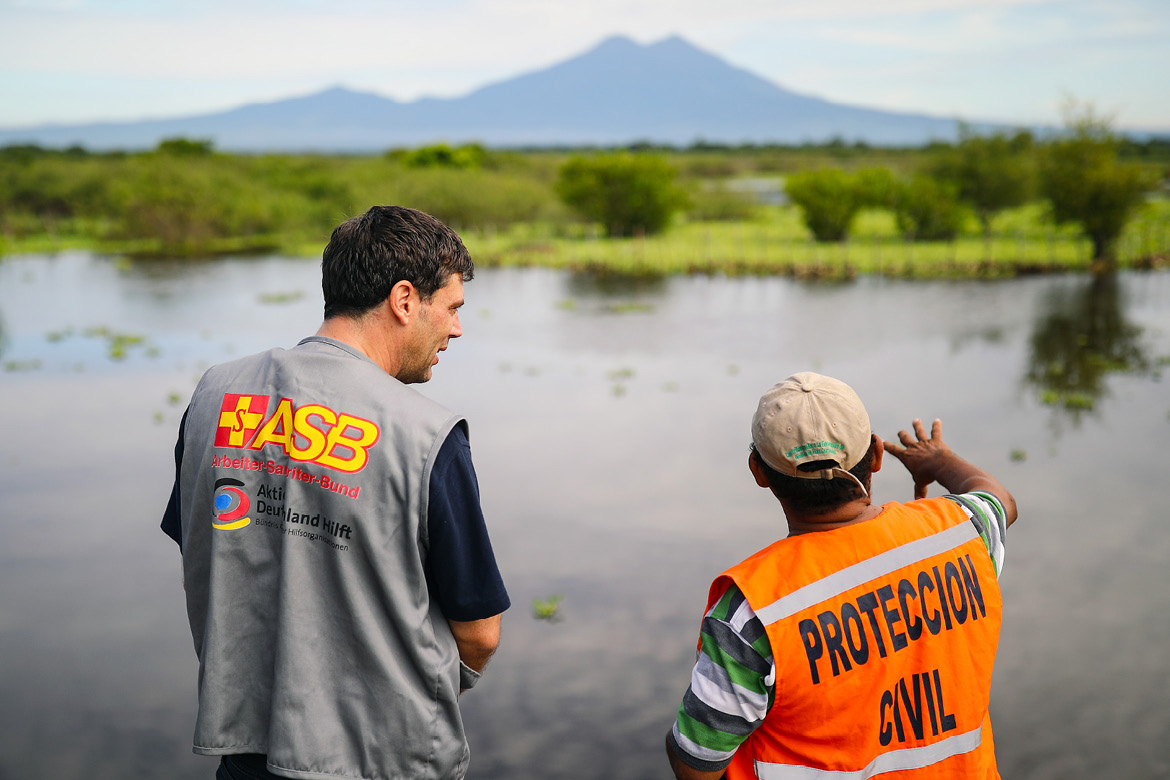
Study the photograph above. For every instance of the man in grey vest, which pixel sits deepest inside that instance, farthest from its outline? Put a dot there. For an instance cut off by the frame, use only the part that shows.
(341, 587)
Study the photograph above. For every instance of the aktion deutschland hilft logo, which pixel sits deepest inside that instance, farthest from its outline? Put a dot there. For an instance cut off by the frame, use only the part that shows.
(231, 505)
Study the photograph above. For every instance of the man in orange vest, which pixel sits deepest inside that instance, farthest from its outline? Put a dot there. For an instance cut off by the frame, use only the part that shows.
(861, 644)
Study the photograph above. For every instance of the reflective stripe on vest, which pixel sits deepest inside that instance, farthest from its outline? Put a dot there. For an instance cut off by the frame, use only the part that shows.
(864, 571)
(894, 761)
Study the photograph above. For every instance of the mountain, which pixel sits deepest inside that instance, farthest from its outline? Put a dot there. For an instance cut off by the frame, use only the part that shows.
(616, 93)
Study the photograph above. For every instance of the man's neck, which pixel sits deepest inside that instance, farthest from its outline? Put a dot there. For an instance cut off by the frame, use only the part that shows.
(852, 513)
(366, 335)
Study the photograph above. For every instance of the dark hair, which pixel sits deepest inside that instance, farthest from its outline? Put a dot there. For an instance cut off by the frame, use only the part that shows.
(817, 496)
(368, 255)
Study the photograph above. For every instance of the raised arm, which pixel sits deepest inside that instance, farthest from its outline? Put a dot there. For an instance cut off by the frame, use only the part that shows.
(929, 459)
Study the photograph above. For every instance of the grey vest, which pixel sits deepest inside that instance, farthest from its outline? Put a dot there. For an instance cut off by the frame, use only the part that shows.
(304, 493)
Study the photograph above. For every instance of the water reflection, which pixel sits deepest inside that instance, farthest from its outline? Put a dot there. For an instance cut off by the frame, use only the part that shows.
(1080, 339)
(610, 285)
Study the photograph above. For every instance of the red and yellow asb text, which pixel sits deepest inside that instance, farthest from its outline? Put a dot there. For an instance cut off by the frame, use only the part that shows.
(311, 433)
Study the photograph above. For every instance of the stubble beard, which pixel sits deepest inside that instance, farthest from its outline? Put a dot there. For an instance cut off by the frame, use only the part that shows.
(414, 374)
(417, 364)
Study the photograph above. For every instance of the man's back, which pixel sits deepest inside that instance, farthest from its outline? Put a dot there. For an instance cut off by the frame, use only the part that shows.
(318, 642)
(862, 643)
(883, 639)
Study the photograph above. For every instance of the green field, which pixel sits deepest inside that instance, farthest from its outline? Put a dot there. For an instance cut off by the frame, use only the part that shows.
(776, 242)
(185, 200)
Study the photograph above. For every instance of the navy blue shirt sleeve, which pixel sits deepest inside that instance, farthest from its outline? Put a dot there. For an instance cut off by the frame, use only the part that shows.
(460, 568)
(171, 524)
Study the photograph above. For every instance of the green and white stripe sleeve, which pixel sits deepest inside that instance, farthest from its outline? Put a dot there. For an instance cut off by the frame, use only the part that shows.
(732, 686)
(990, 520)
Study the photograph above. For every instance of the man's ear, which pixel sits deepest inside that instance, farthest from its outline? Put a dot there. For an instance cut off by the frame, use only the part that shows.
(879, 449)
(758, 470)
(403, 301)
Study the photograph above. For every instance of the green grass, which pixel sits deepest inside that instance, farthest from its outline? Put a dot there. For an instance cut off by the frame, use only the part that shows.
(775, 242)
(1022, 242)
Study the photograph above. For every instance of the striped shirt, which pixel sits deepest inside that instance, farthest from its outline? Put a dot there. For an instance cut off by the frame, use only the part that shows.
(733, 684)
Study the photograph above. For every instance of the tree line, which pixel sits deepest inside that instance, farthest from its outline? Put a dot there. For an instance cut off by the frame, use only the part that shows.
(184, 197)
(1080, 174)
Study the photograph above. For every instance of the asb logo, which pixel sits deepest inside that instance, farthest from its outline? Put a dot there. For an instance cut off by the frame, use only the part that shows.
(309, 434)
(239, 417)
(231, 505)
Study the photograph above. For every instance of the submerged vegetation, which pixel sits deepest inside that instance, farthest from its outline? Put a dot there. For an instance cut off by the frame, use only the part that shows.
(984, 206)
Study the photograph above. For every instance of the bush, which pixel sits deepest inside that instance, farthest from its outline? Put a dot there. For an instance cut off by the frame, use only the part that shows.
(466, 199)
(1086, 184)
(189, 208)
(829, 200)
(990, 173)
(443, 156)
(54, 187)
(185, 147)
(927, 209)
(875, 188)
(626, 193)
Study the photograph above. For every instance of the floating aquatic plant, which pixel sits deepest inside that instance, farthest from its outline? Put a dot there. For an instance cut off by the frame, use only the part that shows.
(547, 609)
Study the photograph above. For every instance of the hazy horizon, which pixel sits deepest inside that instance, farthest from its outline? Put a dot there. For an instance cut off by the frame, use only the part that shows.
(1009, 61)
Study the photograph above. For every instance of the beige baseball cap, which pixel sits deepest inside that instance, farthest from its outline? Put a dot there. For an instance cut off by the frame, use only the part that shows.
(809, 417)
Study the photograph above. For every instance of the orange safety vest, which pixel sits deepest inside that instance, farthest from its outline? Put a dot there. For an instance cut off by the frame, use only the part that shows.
(883, 635)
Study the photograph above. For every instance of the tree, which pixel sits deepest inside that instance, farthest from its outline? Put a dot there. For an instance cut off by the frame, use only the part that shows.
(829, 200)
(626, 193)
(186, 147)
(927, 209)
(1085, 183)
(989, 173)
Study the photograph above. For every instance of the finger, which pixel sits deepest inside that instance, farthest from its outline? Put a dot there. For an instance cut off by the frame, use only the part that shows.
(905, 438)
(920, 490)
(919, 431)
(936, 429)
(895, 450)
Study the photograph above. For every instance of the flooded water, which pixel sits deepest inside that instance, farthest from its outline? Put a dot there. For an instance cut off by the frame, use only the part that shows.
(609, 423)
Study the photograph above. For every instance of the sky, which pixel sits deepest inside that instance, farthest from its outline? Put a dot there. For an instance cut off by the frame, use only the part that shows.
(1014, 61)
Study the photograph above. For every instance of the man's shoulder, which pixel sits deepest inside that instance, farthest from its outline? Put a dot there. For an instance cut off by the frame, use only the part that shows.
(778, 547)
(936, 509)
(320, 374)
(230, 369)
